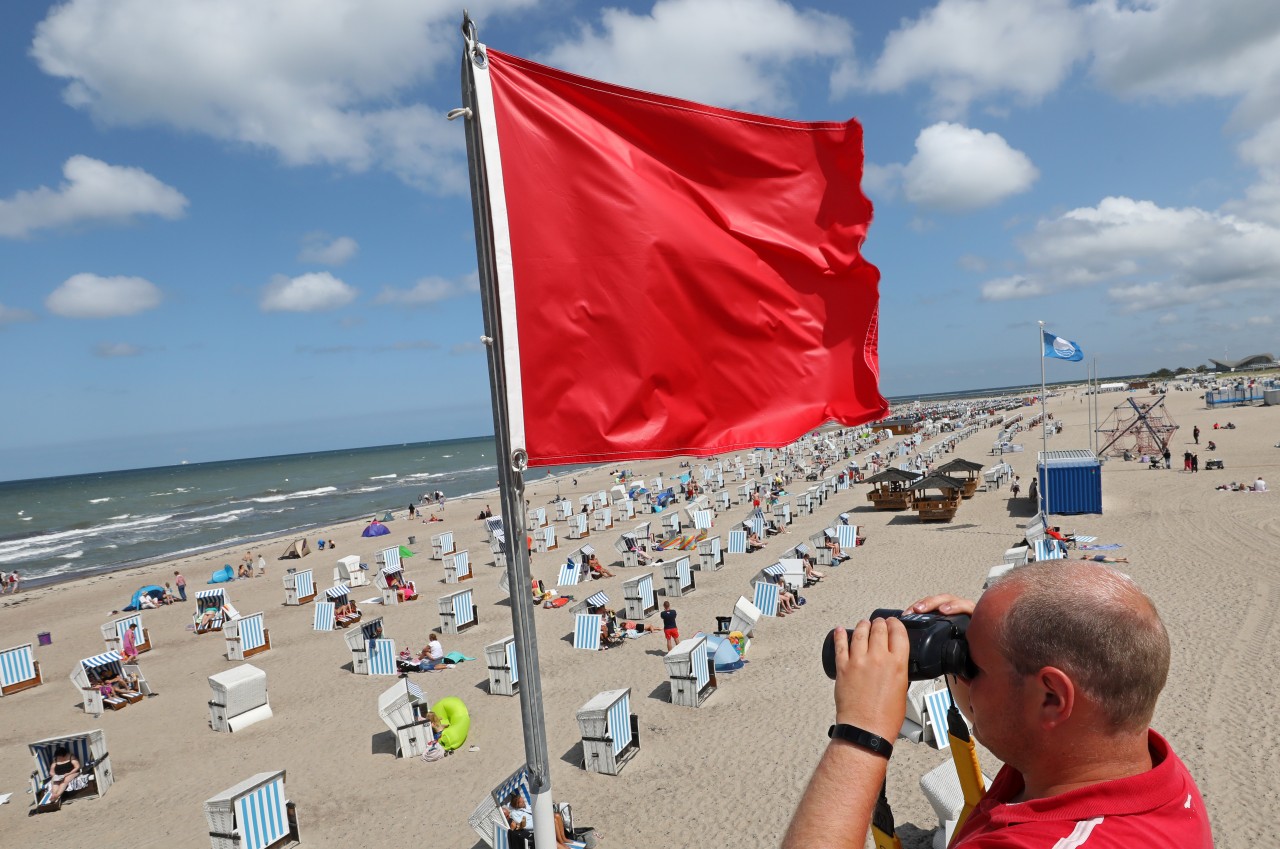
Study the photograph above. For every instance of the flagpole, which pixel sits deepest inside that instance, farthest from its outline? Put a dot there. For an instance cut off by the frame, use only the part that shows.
(512, 461)
(1041, 489)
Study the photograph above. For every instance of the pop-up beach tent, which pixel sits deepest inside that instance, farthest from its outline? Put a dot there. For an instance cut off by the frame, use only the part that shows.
(155, 592)
(375, 529)
(223, 575)
(298, 548)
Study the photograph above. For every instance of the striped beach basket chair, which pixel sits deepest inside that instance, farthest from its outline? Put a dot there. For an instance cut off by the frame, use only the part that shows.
(358, 639)
(577, 526)
(254, 814)
(936, 705)
(639, 596)
(677, 578)
(90, 749)
(457, 612)
(382, 656)
(737, 542)
(19, 670)
(586, 631)
(847, 536)
(209, 600)
(246, 637)
(703, 519)
(564, 509)
(544, 539)
(537, 517)
(766, 598)
(755, 524)
(324, 619)
(441, 545)
(504, 672)
(710, 555)
(299, 587)
(113, 633)
(89, 672)
(602, 518)
(457, 567)
(570, 574)
(610, 733)
(689, 672)
(487, 821)
(401, 708)
(1049, 549)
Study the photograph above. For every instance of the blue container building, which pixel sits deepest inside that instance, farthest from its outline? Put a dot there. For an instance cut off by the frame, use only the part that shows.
(1070, 482)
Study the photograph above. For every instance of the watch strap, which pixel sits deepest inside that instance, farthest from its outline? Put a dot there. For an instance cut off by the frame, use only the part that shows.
(861, 738)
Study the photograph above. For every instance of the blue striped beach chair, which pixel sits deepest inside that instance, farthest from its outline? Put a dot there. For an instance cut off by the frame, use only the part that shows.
(609, 735)
(936, 705)
(564, 509)
(544, 539)
(457, 612)
(678, 578)
(847, 536)
(577, 526)
(570, 574)
(1049, 549)
(358, 639)
(710, 555)
(737, 542)
(755, 524)
(689, 673)
(246, 637)
(254, 814)
(487, 820)
(391, 579)
(208, 600)
(457, 567)
(441, 545)
(90, 749)
(401, 708)
(504, 672)
(766, 598)
(299, 587)
(91, 670)
(537, 517)
(113, 633)
(602, 518)
(382, 656)
(639, 596)
(18, 670)
(703, 519)
(782, 514)
(324, 618)
(586, 631)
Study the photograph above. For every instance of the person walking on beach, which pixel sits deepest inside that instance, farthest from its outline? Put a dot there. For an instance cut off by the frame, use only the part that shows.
(181, 583)
(1195, 434)
(1168, 458)
(1195, 462)
(11, 582)
(129, 644)
(669, 629)
(1015, 487)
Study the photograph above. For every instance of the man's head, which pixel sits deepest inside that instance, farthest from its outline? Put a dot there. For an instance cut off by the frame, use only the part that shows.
(1092, 623)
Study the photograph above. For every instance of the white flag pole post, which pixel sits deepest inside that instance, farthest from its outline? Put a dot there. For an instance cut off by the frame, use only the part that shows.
(512, 458)
(1041, 489)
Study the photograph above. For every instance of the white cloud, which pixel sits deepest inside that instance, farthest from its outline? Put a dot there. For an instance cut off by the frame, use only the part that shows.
(1168, 318)
(316, 83)
(13, 315)
(957, 168)
(112, 350)
(1259, 320)
(881, 182)
(971, 262)
(321, 249)
(306, 293)
(93, 192)
(1152, 257)
(732, 53)
(430, 290)
(970, 49)
(91, 296)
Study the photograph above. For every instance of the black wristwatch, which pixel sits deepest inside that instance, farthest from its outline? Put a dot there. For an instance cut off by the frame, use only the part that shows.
(862, 739)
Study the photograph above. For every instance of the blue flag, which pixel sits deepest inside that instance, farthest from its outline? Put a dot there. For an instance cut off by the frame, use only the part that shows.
(1057, 348)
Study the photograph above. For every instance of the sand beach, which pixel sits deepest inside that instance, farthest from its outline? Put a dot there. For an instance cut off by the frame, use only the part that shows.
(726, 774)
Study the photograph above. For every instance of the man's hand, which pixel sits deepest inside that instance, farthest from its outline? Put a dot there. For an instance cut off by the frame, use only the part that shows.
(949, 605)
(871, 676)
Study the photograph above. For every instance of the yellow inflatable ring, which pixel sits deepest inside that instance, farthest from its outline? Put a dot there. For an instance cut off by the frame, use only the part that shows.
(456, 720)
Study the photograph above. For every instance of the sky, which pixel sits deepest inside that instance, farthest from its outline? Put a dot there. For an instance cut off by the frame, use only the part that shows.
(242, 228)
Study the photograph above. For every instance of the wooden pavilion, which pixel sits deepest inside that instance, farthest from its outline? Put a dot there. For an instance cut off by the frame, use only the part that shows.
(890, 489)
(941, 507)
(965, 470)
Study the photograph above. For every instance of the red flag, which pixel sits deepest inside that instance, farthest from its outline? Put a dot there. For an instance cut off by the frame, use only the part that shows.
(673, 278)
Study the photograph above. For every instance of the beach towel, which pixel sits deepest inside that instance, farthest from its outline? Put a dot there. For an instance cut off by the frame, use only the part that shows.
(456, 657)
(1108, 547)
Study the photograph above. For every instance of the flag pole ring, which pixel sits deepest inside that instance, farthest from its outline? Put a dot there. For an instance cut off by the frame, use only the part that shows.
(519, 460)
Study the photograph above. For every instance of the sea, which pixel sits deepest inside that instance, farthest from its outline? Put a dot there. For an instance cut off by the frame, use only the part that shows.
(62, 528)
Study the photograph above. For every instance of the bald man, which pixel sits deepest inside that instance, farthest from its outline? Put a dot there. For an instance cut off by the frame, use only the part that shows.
(1070, 657)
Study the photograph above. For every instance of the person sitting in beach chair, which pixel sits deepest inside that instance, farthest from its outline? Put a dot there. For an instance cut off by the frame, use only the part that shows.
(66, 775)
(1067, 540)
(597, 568)
(610, 631)
(207, 618)
(787, 602)
(111, 685)
(754, 543)
(831, 542)
(811, 575)
(347, 614)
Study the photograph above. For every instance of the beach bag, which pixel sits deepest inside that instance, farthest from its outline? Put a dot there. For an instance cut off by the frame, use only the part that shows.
(433, 753)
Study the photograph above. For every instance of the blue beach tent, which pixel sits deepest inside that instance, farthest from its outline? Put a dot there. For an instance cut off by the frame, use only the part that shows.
(226, 573)
(375, 529)
(152, 590)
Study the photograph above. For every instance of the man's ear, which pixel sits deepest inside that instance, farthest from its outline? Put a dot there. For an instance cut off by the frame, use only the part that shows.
(1057, 696)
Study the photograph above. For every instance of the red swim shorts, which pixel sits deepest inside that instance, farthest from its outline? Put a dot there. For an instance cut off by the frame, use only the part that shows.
(671, 633)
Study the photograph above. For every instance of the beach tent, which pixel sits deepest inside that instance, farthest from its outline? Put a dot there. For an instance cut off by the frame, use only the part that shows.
(723, 653)
(135, 603)
(298, 548)
(375, 529)
(226, 573)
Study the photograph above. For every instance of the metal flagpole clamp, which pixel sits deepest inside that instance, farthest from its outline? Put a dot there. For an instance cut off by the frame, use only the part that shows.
(472, 36)
(519, 460)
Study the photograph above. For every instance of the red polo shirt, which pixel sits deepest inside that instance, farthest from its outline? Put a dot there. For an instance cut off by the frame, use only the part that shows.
(1159, 809)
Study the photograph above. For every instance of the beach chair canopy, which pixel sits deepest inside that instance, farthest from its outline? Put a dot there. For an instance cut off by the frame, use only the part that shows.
(338, 593)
